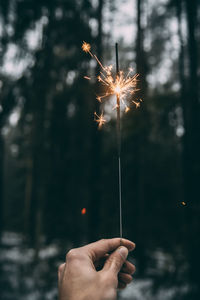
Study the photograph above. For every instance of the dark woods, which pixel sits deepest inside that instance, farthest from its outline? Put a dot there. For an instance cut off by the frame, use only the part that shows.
(53, 159)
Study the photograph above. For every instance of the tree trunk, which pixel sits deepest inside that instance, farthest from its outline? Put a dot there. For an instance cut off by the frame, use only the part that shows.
(1, 181)
(193, 113)
(193, 150)
(96, 184)
(142, 140)
(28, 196)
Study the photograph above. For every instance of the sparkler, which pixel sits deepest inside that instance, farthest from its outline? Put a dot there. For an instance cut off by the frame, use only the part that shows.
(117, 90)
(123, 87)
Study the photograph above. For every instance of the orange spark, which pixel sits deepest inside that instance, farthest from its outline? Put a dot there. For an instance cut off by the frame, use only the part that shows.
(99, 119)
(183, 203)
(137, 104)
(86, 77)
(83, 211)
(98, 98)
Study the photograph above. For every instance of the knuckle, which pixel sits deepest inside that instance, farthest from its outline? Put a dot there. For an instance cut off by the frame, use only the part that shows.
(75, 255)
(72, 254)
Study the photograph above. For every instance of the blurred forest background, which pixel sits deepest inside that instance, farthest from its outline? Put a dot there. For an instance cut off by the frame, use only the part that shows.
(54, 161)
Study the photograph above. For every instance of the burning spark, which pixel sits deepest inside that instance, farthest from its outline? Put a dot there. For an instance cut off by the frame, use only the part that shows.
(99, 119)
(122, 86)
(83, 211)
(88, 78)
(137, 104)
(183, 203)
(98, 99)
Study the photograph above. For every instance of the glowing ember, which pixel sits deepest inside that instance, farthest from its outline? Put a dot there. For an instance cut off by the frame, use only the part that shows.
(122, 86)
(183, 203)
(83, 211)
(99, 119)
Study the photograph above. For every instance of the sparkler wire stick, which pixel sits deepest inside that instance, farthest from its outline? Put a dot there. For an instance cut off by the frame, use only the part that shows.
(123, 87)
(119, 143)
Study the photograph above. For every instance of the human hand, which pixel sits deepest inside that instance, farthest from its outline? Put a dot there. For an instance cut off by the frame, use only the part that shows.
(95, 271)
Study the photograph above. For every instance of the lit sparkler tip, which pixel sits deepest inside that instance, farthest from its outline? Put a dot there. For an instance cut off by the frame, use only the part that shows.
(117, 89)
(122, 86)
(86, 47)
(99, 119)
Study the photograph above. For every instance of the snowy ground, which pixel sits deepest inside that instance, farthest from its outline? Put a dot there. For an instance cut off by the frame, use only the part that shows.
(22, 276)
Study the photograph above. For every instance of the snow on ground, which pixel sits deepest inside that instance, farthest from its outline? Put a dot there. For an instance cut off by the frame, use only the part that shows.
(142, 290)
(25, 276)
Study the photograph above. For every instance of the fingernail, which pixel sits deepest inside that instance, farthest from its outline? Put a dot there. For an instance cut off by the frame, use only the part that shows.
(123, 251)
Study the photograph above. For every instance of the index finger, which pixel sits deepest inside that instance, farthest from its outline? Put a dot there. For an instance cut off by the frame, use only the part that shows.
(98, 249)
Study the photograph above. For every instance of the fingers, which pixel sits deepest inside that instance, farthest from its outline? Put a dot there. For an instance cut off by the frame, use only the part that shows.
(99, 249)
(116, 260)
(124, 278)
(128, 267)
(121, 285)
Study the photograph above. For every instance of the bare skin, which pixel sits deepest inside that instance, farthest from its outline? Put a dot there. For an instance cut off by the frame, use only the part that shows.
(95, 271)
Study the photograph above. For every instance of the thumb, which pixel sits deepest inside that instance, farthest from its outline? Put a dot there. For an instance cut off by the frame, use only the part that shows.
(116, 260)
